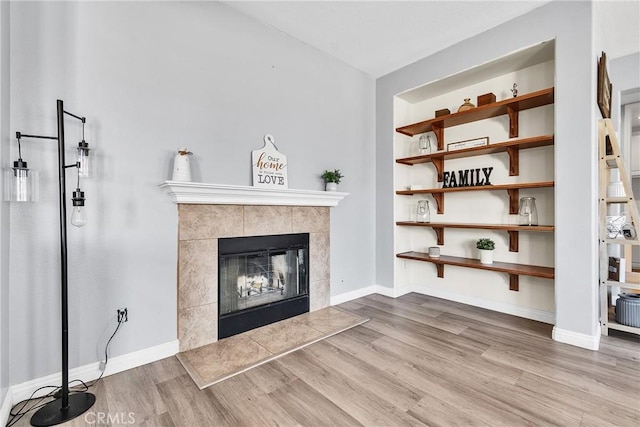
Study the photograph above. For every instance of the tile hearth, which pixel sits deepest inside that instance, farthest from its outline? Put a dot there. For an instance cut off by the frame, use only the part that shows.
(223, 359)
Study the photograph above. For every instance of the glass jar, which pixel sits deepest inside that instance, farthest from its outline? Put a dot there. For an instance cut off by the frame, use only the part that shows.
(424, 145)
(528, 212)
(422, 214)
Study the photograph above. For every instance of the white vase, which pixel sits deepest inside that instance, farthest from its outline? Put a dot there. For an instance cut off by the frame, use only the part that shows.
(181, 167)
(331, 186)
(486, 256)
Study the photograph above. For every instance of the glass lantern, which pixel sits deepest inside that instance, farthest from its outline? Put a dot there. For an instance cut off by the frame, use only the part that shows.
(528, 212)
(20, 183)
(422, 213)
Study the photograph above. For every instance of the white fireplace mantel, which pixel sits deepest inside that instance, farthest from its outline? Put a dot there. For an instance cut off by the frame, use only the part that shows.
(220, 194)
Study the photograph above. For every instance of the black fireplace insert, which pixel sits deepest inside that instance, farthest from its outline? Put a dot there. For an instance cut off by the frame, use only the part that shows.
(261, 280)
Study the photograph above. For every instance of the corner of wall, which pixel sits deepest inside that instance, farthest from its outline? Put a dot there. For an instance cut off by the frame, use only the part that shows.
(4, 207)
(590, 342)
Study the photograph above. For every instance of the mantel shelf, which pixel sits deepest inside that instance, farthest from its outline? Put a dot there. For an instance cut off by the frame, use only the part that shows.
(511, 147)
(219, 194)
(512, 190)
(512, 229)
(511, 107)
(514, 270)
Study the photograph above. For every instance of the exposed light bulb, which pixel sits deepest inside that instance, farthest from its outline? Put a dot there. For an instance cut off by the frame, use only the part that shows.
(78, 214)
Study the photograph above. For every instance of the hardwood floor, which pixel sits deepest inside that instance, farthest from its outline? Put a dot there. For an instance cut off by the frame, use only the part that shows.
(418, 361)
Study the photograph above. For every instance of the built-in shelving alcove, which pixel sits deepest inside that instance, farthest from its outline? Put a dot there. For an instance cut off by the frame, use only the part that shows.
(520, 158)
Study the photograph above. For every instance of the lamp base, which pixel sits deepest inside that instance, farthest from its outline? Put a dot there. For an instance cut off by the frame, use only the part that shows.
(53, 413)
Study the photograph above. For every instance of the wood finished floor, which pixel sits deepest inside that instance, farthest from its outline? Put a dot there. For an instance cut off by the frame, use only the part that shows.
(418, 361)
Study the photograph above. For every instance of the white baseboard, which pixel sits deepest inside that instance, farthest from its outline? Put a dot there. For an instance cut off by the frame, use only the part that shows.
(526, 312)
(391, 292)
(91, 371)
(369, 290)
(351, 295)
(560, 335)
(590, 342)
(6, 408)
(142, 357)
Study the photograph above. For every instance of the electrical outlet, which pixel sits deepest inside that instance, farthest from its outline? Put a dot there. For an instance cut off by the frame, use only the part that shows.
(123, 315)
(102, 366)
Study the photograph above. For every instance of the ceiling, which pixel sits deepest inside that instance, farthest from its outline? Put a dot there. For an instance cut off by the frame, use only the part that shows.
(378, 37)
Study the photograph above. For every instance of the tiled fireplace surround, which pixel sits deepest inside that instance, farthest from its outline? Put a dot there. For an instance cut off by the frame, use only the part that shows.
(200, 226)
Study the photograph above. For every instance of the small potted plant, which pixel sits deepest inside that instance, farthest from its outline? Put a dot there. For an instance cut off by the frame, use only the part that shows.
(486, 247)
(332, 179)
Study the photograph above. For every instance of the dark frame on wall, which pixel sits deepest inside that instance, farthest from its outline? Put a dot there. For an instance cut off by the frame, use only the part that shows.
(604, 87)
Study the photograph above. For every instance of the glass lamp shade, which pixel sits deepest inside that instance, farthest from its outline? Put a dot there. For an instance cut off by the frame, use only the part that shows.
(20, 183)
(86, 161)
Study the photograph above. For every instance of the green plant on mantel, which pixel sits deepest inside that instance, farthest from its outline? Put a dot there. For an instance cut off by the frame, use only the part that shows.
(486, 244)
(332, 176)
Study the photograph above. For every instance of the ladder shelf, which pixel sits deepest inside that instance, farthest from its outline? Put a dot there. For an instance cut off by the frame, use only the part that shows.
(610, 158)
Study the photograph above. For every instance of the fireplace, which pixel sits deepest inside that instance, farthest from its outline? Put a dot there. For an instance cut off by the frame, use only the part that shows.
(261, 280)
(201, 226)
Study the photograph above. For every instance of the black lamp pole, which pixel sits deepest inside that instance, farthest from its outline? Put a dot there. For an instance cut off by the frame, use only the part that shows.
(67, 406)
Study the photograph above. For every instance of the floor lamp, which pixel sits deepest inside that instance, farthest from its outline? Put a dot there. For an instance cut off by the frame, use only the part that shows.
(68, 406)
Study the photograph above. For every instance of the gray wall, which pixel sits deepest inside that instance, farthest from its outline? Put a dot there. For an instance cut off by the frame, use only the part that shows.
(570, 23)
(151, 77)
(624, 73)
(4, 207)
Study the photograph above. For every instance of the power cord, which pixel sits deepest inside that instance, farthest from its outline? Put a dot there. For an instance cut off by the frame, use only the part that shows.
(86, 386)
(38, 402)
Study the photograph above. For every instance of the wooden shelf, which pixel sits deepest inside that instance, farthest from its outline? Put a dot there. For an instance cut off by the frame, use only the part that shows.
(625, 285)
(618, 199)
(621, 242)
(511, 147)
(512, 229)
(514, 270)
(509, 106)
(512, 190)
(610, 322)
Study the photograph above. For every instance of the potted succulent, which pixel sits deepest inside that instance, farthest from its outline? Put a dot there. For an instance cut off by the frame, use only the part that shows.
(486, 247)
(332, 179)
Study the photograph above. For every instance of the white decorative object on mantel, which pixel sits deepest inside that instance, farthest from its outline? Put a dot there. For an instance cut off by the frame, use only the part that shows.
(181, 167)
(269, 166)
(220, 194)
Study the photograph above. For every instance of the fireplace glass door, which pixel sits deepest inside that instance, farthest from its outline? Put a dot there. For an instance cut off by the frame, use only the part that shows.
(261, 280)
(254, 279)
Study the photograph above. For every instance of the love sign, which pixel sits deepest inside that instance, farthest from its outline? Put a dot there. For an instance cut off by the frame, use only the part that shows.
(269, 166)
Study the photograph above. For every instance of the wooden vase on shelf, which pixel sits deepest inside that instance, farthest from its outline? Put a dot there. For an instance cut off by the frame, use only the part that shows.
(467, 105)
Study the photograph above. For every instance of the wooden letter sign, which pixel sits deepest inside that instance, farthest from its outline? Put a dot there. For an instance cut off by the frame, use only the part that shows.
(269, 166)
(467, 178)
